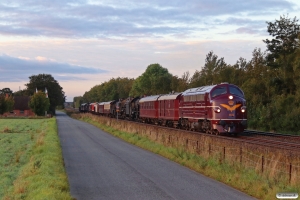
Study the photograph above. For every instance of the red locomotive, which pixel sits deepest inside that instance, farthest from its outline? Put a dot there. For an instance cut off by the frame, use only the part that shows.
(214, 109)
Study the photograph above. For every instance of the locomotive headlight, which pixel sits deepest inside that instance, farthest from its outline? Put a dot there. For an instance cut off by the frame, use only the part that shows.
(230, 97)
(217, 109)
(243, 109)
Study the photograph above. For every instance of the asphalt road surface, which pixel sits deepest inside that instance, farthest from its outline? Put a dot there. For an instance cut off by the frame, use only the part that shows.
(101, 166)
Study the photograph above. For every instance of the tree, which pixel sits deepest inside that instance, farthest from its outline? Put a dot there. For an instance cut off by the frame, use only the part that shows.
(114, 89)
(77, 101)
(285, 34)
(281, 49)
(197, 80)
(180, 84)
(6, 100)
(39, 103)
(20, 93)
(155, 80)
(212, 67)
(211, 73)
(240, 75)
(46, 81)
(6, 91)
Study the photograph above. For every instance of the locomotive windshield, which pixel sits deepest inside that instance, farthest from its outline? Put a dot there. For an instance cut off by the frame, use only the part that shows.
(218, 91)
(235, 91)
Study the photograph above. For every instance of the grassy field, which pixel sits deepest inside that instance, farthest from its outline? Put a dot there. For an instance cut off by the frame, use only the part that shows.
(31, 164)
(246, 180)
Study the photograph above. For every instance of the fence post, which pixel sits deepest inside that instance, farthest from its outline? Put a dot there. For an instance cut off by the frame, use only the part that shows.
(290, 173)
(224, 154)
(262, 164)
(241, 155)
(209, 149)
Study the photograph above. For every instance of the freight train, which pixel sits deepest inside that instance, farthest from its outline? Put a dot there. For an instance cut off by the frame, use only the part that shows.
(214, 109)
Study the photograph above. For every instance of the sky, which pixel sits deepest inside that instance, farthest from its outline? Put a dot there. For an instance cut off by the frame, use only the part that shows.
(83, 43)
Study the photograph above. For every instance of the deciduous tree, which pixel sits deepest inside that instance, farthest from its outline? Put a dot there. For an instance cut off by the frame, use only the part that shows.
(281, 49)
(46, 81)
(155, 80)
(6, 100)
(39, 103)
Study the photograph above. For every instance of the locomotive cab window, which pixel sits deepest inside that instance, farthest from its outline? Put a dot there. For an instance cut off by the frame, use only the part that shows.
(235, 91)
(218, 91)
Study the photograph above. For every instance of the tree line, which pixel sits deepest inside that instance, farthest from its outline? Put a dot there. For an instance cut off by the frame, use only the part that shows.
(270, 80)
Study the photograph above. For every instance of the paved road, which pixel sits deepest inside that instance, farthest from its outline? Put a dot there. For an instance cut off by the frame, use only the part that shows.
(100, 166)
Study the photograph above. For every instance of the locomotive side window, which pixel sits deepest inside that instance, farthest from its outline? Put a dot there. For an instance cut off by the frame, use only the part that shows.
(200, 97)
(218, 91)
(235, 91)
(193, 98)
(187, 98)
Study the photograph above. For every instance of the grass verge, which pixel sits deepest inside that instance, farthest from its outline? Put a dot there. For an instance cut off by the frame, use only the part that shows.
(239, 177)
(31, 160)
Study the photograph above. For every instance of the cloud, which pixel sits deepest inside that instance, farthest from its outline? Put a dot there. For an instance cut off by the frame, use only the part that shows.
(19, 69)
(246, 30)
(94, 19)
(40, 58)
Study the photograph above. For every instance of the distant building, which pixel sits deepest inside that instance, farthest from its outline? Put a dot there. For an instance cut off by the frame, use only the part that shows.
(68, 105)
(21, 107)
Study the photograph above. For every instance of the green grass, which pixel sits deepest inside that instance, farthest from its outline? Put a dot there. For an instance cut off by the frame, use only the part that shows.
(31, 160)
(14, 152)
(239, 177)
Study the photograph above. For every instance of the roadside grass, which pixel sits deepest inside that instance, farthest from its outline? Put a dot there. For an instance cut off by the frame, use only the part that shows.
(31, 163)
(237, 176)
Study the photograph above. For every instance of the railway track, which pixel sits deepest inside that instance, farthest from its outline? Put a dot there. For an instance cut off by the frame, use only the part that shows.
(278, 135)
(278, 140)
(273, 136)
(274, 140)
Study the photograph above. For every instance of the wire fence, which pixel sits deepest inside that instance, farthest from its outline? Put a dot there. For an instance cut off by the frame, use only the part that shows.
(266, 164)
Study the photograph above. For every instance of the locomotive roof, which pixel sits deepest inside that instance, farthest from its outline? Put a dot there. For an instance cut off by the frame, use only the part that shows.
(169, 96)
(203, 89)
(149, 98)
(198, 90)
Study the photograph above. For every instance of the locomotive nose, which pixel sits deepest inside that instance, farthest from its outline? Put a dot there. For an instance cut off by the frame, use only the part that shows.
(244, 123)
(222, 123)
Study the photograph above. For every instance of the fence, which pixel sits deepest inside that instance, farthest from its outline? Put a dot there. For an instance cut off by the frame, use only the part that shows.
(261, 163)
